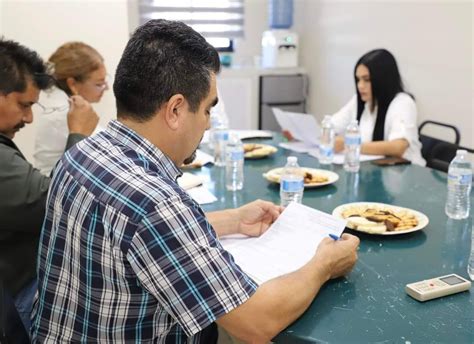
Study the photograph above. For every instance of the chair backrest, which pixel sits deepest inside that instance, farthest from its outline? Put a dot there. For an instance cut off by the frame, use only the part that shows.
(443, 153)
(429, 143)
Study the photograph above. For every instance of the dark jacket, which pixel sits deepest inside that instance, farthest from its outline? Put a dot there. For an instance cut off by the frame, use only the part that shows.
(23, 191)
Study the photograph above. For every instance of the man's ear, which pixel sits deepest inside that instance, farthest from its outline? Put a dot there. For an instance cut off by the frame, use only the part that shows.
(174, 110)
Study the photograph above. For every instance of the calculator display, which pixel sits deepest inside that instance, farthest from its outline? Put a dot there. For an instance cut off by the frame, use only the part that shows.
(451, 280)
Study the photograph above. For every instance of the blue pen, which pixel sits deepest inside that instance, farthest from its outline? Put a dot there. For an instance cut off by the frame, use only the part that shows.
(333, 236)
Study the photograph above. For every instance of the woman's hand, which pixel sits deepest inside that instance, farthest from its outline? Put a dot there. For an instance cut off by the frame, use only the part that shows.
(338, 144)
(287, 135)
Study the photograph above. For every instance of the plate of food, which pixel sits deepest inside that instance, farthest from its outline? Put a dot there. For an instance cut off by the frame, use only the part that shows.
(313, 177)
(381, 218)
(258, 150)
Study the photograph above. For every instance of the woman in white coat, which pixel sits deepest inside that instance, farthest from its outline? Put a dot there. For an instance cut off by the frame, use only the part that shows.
(79, 71)
(387, 115)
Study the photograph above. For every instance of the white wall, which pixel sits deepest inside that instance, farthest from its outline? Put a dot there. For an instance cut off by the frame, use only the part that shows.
(432, 41)
(43, 25)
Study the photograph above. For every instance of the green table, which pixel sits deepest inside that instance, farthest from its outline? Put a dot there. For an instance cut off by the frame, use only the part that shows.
(370, 305)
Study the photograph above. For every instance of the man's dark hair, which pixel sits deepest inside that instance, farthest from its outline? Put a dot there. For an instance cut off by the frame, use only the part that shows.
(19, 64)
(163, 58)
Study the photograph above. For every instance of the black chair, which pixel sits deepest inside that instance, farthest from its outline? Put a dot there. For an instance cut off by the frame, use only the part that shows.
(435, 156)
(12, 330)
(443, 153)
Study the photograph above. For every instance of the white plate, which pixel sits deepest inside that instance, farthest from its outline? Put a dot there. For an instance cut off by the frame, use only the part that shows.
(274, 176)
(262, 151)
(422, 218)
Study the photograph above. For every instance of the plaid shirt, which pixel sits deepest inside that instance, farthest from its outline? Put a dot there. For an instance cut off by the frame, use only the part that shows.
(126, 254)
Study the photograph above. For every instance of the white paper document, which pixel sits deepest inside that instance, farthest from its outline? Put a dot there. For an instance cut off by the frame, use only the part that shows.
(303, 127)
(289, 243)
(203, 158)
(202, 195)
(253, 134)
(339, 157)
(298, 146)
(189, 180)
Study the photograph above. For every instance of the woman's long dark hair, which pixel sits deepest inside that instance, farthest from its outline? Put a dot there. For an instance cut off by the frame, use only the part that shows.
(386, 83)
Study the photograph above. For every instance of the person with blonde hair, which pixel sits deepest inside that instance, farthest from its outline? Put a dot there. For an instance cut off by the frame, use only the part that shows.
(79, 71)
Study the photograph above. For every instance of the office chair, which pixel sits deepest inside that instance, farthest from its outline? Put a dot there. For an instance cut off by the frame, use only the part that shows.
(445, 153)
(12, 330)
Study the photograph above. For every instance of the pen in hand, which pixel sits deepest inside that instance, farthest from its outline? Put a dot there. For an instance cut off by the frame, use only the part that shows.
(333, 236)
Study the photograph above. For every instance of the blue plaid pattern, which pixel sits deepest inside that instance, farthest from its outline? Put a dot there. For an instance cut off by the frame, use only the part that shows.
(125, 254)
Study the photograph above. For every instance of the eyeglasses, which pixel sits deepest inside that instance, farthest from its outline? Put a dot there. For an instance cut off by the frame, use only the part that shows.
(100, 86)
(51, 109)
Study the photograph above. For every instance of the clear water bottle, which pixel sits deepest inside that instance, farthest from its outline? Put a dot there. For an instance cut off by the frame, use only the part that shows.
(215, 120)
(234, 163)
(459, 186)
(280, 14)
(352, 147)
(291, 182)
(326, 141)
(470, 264)
(220, 136)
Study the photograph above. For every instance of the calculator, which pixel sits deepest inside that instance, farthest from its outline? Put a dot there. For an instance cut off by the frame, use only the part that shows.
(437, 287)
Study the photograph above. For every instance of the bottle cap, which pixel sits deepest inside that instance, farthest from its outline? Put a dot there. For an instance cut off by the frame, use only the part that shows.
(461, 151)
(292, 159)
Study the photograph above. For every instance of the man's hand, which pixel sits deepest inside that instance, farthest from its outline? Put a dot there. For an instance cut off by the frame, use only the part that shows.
(338, 144)
(81, 118)
(256, 217)
(339, 256)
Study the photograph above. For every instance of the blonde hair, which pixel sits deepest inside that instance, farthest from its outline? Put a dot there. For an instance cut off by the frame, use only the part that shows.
(74, 60)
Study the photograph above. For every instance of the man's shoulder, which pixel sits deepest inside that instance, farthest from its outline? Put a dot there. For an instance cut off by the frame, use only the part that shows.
(117, 175)
(8, 149)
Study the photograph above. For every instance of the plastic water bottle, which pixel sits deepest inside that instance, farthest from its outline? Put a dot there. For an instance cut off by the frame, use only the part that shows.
(459, 186)
(470, 264)
(326, 142)
(352, 147)
(234, 163)
(291, 182)
(280, 14)
(219, 137)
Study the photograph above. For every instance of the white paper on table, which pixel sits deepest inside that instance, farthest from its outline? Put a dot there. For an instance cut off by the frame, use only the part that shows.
(253, 134)
(297, 146)
(202, 195)
(289, 243)
(339, 157)
(203, 158)
(303, 127)
(189, 180)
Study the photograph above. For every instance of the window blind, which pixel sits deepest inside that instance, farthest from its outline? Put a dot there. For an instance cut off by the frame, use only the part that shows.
(211, 18)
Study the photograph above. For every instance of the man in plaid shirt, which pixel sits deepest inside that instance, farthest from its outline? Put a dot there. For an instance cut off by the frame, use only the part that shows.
(125, 254)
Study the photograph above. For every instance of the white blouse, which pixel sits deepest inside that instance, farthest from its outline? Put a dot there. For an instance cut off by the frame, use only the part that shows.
(51, 129)
(400, 123)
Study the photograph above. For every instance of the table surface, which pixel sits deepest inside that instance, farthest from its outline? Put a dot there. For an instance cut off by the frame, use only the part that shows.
(370, 304)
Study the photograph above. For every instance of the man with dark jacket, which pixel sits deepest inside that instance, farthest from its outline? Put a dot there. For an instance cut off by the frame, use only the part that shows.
(23, 188)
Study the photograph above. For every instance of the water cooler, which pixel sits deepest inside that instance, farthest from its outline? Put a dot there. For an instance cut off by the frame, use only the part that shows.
(279, 44)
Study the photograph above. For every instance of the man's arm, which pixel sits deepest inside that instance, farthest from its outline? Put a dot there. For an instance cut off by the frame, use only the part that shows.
(278, 302)
(23, 192)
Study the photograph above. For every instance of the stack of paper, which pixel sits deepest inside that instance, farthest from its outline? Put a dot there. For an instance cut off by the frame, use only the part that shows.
(288, 245)
(339, 157)
(190, 182)
(303, 127)
(253, 134)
